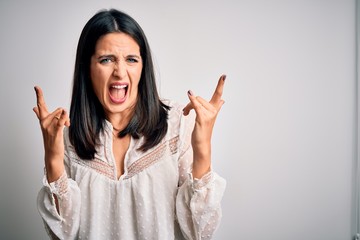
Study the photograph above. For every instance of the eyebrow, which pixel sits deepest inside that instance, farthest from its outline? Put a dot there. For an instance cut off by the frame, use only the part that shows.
(113, 56)
(134, 56)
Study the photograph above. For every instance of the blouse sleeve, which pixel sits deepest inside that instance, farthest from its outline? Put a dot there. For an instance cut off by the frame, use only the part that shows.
(198, 202)
(62, 224)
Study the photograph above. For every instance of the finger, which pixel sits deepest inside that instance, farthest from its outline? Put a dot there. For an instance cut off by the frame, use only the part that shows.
(64, 119)
(218, 90)
(42, 109)
(187, 108)
(205, 104)
(196, 105)
(52, 118)
(36, 111)
(209, 106)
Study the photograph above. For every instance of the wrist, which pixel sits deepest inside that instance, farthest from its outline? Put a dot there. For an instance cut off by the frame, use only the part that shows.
(201, 163)
(200, 169)
(54, 170)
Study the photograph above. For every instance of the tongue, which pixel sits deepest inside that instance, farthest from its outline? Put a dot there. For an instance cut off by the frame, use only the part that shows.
(117, 94)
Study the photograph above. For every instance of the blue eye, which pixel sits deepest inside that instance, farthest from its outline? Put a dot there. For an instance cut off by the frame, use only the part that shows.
(106, 60)
(132, 60)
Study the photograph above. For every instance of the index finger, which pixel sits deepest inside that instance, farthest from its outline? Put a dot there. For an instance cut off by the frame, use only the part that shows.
(40, 102)
(218, 90)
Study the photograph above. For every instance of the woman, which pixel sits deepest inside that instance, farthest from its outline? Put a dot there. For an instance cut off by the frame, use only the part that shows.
(129, 166)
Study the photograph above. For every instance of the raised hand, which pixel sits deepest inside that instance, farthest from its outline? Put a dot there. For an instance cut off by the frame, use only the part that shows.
(206, 113)
(52, 125)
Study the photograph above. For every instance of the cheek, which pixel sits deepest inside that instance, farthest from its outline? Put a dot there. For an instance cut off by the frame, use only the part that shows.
(137, 73)
(136, 84)
(98, 81)
(97, 87)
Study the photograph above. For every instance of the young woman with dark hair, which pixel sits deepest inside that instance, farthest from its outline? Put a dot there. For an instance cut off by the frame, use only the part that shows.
(130, 165)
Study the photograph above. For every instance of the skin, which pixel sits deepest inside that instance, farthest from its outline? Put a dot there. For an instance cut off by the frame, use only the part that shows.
(113, 61)
(206, 113)
(117, 60)
(52, 125)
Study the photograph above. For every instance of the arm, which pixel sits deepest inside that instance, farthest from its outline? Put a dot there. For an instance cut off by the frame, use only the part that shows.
(206, 113)
(59, 199)
(198, 203)
(52, 125)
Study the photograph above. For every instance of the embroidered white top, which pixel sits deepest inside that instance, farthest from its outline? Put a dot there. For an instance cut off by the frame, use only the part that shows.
(155, 198)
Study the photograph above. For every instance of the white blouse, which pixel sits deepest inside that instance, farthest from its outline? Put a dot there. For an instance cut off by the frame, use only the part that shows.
(156, 197)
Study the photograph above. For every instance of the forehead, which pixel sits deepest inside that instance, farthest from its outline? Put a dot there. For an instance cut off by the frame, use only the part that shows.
(116, 42)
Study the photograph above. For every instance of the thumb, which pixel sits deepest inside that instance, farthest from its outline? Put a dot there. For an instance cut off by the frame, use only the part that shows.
(36, 111)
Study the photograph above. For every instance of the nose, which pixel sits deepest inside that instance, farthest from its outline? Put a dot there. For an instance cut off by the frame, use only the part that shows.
(119, 69)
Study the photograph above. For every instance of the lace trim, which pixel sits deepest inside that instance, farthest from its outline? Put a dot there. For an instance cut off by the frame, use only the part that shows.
(173, 145)
(61, 185)
(99, 166)
(144, 162)
(200, 183)
(58, 187)
(152, 157)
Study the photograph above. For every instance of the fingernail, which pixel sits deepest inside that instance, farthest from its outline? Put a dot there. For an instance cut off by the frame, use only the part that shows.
(190, 93)
(224, 77)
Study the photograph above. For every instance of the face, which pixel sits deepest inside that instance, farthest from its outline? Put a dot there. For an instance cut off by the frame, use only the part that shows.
(115, 72)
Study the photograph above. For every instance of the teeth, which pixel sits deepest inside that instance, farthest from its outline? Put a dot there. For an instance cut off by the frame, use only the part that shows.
(119, 86)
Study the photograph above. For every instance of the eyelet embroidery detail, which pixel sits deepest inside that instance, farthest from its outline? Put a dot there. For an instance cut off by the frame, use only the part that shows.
(144, 162)
(99, 166)
(152, 157)
(200, 183)
(62, 184)
(173, 145)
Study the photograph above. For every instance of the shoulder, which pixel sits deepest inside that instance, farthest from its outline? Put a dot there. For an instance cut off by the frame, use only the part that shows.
(177, 122)
(175, 110)
(175, 113)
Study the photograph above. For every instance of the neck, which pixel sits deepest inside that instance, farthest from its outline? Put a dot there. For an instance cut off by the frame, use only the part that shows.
(119, 121)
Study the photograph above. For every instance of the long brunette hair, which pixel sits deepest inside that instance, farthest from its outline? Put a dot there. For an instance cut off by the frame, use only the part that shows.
(86, 113)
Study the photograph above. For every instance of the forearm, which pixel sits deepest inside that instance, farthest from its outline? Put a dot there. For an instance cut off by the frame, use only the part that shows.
(54, 168)
(201, 160)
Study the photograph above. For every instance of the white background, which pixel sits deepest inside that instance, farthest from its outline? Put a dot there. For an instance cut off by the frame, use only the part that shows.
(285, 139)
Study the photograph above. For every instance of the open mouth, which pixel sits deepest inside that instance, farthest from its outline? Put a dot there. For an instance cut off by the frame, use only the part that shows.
(118, 92)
